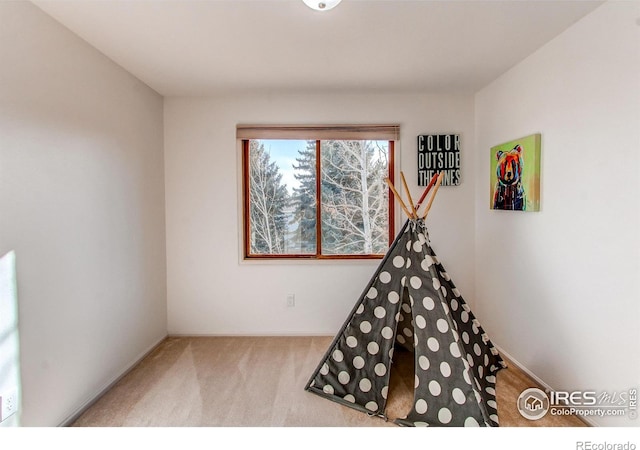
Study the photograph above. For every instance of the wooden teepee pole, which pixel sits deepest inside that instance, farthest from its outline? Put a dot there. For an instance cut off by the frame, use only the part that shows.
(426, 190)
(393, 189)
(406, 188)
(433, 195)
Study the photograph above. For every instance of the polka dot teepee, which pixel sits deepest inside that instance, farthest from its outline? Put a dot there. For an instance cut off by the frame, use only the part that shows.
(412, 302)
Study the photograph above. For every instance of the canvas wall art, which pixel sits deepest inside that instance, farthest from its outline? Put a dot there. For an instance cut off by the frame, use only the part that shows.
(515, 175)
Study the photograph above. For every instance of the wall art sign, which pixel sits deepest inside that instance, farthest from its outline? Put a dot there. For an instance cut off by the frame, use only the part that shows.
(515, 175)
(439, 153)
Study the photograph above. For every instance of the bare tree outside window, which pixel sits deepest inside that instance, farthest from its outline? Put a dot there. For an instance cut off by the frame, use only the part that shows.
(355, 203)
(269, 200)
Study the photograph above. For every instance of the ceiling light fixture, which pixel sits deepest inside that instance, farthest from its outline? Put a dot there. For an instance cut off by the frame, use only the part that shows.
(321, 5)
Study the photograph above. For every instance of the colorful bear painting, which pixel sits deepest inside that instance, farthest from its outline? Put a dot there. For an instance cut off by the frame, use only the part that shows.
(515, 175)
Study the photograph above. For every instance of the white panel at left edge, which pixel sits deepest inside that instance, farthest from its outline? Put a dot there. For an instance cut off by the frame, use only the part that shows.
(9, 343)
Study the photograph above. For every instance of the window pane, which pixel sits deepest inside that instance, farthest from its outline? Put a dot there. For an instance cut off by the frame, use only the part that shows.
(282, 197)
(355, 203)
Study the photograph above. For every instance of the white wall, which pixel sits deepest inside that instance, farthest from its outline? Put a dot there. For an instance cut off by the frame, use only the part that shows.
(559, 289)
(210, 289)
(81, 203)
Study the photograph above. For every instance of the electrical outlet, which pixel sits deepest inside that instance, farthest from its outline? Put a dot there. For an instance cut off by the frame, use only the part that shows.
(8, 404)
(291, 300)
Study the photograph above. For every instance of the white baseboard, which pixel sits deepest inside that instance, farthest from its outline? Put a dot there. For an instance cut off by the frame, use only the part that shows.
(537, 379)
(94, 398)
(301, 334)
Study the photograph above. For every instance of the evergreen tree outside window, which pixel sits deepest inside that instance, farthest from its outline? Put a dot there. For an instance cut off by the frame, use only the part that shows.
(312, 198)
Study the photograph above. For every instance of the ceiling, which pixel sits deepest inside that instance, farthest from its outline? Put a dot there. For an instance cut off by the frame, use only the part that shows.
(204, 47)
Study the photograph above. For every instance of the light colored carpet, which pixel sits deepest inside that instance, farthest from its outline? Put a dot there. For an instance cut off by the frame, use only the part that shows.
(259, 382)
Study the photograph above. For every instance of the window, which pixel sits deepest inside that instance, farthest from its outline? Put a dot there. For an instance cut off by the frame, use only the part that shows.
(317, 197)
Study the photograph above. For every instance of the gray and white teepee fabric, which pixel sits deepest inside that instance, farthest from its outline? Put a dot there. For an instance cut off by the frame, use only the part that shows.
(411, 301)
